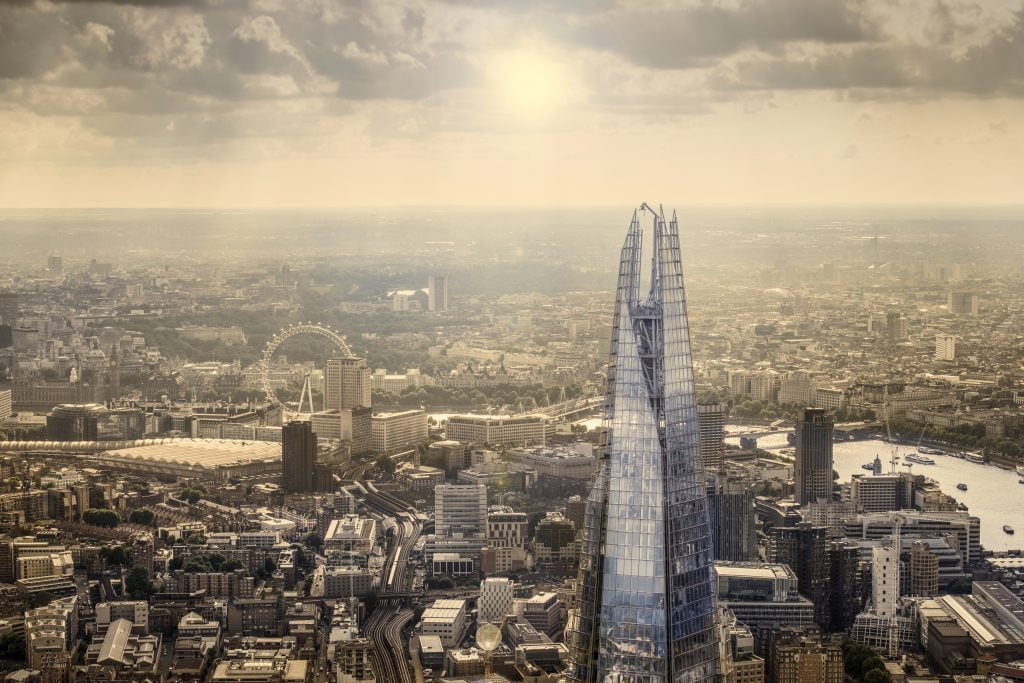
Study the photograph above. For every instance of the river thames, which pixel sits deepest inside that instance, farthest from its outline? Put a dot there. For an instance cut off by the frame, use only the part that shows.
(993, 494)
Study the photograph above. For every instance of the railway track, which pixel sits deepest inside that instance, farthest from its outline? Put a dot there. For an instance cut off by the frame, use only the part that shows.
(384, 627)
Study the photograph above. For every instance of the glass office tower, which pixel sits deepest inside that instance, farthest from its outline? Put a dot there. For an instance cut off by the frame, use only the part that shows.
(646, 595)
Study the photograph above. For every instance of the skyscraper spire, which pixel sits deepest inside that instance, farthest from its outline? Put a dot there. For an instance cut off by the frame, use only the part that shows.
(646, 593)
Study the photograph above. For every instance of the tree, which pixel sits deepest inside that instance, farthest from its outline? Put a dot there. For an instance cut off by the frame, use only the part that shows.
(877, 676)
(12, 647)
(216, 561)
(269, 566)
(175, 564)
(137, 583)
(116, 555)
(196, 539)
(230, 566)
(98, 517)
(871, 663)
(386, 465)
(313, 541)
(143, 516)
(198, 564)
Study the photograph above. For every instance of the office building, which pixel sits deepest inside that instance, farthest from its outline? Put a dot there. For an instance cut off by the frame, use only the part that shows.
(845, 586)
(945, 347)
(350, 534)
(543, 611)
(646, 600)
(711, 426)
(55, 264)
(924, 570)
(70, 422)
(298, 454)
(437, 293)
(555, 548)
(445, 619)
(347, 384)
(508, 430)
(965, 529)
(881, 493)
(733, 523)
(763, 597)
(396, 431)
(895, 326)
(6, 406)
(962, 303)
(496, 594)
(51, 632)
(885, 579)
(9, 308)
(804, 548)
(460, 511)
(812, 471)
(808, 660)
(454, 454)
(576, 461)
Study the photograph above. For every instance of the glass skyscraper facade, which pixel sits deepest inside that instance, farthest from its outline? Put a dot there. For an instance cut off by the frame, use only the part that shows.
(646, 596)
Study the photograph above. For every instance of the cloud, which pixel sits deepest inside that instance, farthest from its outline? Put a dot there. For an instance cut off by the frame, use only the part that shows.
(687, 36)
(205, 75)
(993, 67)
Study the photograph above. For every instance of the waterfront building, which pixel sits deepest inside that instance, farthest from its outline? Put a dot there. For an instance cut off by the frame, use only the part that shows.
(813, 468)
(347, 383)
(395, 431)
(509, 430)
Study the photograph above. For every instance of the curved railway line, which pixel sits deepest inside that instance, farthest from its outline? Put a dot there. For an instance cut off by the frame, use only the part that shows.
(384, 627)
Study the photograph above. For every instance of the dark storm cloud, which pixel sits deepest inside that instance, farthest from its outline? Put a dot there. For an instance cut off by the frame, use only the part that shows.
(690, 36)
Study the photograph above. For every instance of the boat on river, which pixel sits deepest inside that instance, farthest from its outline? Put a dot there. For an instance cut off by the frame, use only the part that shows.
(919, 459)
(1007, 528)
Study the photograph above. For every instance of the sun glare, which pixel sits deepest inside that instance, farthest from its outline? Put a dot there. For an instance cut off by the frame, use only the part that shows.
(529, 84)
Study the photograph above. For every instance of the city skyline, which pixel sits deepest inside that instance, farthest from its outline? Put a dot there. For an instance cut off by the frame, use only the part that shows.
(316, 103)
(330, 351)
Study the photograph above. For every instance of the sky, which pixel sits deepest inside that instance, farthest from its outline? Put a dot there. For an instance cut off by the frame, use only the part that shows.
(322, 103)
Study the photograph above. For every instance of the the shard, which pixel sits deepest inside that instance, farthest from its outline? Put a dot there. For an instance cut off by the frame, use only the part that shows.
(646, 600)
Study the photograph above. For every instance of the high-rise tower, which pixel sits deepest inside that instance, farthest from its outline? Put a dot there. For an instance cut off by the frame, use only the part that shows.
(813, 468)
(646, 594)
(114, 376)
(298, 456)
(437, 293)
(346, 383)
